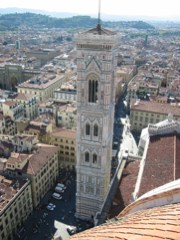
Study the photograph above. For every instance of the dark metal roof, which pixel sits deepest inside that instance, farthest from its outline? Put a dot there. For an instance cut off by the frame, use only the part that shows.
(98, 30)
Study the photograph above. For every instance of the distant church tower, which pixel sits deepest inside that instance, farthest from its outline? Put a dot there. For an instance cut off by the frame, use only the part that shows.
(95, 118)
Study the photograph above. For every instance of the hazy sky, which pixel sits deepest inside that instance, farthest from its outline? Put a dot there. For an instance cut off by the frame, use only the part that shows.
(160, 8)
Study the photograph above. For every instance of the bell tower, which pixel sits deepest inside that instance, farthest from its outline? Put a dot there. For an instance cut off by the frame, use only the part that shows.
(95, 117)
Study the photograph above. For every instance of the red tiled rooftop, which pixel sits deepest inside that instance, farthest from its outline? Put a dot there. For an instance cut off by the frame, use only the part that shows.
(162, 164)
(40, 158)
(126, 187)
(22, 96)
(155, 107)
(35, 161)
(149, 224)
(17, 157)
(8, 190)
(65, 133)
(10, 103)
(44, 82)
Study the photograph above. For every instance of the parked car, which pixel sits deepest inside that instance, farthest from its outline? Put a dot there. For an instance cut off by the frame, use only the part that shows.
(71, 230)
(51, 206)
(56, 196)
(59, 189)
(61, 185)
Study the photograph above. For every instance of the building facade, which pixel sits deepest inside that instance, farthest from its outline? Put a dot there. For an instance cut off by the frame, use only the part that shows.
(65, 139)
(144, 112)
(95, 117)
(29, 103)
(66, 116)
(2, 124)
(13, 74)
(13, 109)
(42, 86)
(15, 206)
(40, 167)
(65, 95)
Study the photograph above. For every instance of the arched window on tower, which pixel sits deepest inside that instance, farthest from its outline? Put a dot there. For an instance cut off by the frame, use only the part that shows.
(93, 91)
(96, 130)
(94, 158)
(87, 129)
(86, 157)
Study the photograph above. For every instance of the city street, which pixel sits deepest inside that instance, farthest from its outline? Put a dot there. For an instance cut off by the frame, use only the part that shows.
(44, 223)
(120, 112)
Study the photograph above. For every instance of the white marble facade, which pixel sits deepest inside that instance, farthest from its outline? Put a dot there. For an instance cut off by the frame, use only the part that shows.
(95, 116)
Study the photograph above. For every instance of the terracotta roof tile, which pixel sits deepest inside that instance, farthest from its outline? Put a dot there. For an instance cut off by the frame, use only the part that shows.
(65, 133)
(162, 164)
(155, 107)
(22, 96)
(10, 103)
(146, 224)
(35, 161)
(40, 158)
(126, 187)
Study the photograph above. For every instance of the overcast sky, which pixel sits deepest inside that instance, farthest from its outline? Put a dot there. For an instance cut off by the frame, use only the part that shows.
(158, 8)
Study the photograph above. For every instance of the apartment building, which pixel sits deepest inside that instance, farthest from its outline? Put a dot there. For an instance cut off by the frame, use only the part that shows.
(126, 72)
(29, 103)
(15, 205)
(148, 88)
(13, 109)
(146, 82)
(46, 108)
(62, 114)
(43, 55)
(10, 126)
(174, 88)
(64, 60)
(40, 128)
(18, 143)
(11, 74)
(21, 125)
(67, 92)
(18, 106)
(144, 112)
(24, 142)
(41, 167)
(132, 91)
(2, 123)
(42, 86)
(139, 88)
(6, 147)
(65, 95)
(66, 116)
(65, 139)
(43, 171)
(123, 75)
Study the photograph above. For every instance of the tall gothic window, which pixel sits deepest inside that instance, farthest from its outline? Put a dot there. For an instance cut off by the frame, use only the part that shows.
(93, 91)
(95, 130)
(86, 157)
(87, 129)
(94, 158)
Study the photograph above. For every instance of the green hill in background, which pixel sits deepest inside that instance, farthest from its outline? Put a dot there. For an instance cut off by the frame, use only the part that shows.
(14, 21)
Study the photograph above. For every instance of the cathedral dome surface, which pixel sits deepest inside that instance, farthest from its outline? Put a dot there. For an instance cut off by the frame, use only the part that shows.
(149, 224)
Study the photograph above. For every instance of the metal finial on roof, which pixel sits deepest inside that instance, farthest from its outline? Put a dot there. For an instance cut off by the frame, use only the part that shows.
(99, 16)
